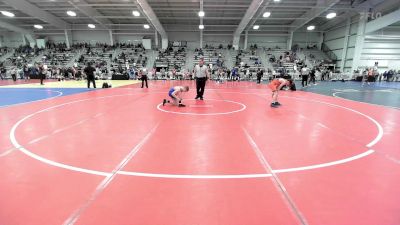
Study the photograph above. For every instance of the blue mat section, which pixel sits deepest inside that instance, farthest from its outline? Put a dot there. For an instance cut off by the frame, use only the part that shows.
(378, 93)
(13, 96)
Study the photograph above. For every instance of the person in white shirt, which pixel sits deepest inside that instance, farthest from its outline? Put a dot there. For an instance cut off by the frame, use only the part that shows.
(201, 75)
(304, 76)
(14, 74)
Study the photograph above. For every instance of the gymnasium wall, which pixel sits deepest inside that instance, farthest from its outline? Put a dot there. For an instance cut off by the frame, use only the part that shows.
(95, 36)
(383, 47)
(193, 39)
(12, 39)
(56, 38)
(303, 39)
(335, 38)
(91, 36)
(268, 42)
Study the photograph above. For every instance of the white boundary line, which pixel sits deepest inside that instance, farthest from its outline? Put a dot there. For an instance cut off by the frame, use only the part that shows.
(337, 162)
(7, 152)
(22, 103)
(201, 106)
(335, 94)
(278, 183)
(107, 180)
(380, 129)
(207, 114)
(192, 176)
(189, 176)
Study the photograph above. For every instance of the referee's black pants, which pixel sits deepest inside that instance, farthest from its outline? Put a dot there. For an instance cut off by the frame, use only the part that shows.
(258, 79)
(42, 77)
(304, 80)
(91, 79)
(200, 85)
(144, 79)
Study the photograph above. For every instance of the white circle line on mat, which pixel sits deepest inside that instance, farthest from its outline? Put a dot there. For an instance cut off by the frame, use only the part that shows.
(184, 176)
(243, 107)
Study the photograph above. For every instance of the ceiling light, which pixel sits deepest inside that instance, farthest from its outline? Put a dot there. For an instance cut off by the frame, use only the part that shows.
(201, 13)
(255, 27)
(8, 14)
(146, 26)
(71, 13)
(277, 0)
(267, 14)
(310, 27)
(37, 26)
(331, 15)
(91, 26)
(201, 26)
(135, 13)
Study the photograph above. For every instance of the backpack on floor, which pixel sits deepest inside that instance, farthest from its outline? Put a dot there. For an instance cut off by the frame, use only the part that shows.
(106, 85)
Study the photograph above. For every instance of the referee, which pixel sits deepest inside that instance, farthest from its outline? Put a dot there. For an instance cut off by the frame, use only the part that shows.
(201, 74)
(89, 71)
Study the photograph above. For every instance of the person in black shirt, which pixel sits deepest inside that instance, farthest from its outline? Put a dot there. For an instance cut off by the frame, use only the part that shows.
(259, 76)
(312, 76)
(42, 73)
(89, 71)
(26, 72)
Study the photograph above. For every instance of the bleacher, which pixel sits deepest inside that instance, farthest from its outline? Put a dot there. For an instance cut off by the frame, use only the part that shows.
(99, 57)
(210, 55)
(133, 56)
(4, 51)
(22, 56)
(316, 57)
(19, 59)
(174, 57)
(283, 61)
(55, 58)
(249, 60)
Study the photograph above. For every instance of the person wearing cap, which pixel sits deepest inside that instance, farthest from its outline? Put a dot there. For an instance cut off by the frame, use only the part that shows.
(201, 75)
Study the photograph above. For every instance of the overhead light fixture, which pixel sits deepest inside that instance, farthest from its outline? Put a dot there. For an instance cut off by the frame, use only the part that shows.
(331, 15)
(37, 26)
(146, 26)
(311, 27)
(267, 14)
(92, 26)
(201, 13)
(255, 27)
(71, 13)
(277, 0)
(201, 26)
(8, 14)
(135, 13)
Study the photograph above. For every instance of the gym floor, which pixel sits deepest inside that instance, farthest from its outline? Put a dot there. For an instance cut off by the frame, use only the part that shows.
(329, 155)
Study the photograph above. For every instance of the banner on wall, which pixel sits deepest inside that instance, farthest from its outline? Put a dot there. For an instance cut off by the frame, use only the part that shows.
(179, 43)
